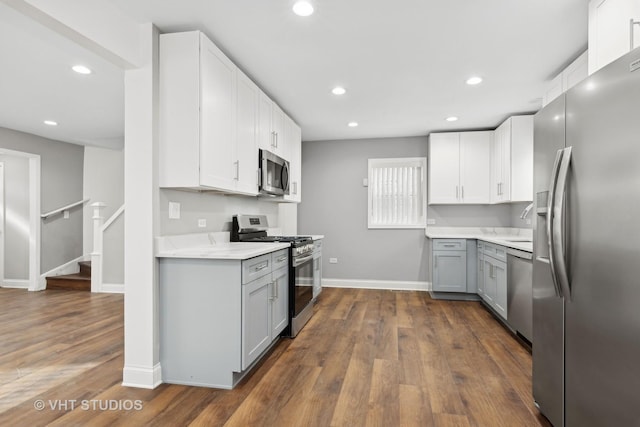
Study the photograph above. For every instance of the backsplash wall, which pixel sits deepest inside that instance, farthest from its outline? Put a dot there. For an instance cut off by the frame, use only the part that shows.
(216, 209)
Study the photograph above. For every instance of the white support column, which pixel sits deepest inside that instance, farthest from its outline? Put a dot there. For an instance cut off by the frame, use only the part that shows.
(141, 335)
(96, 254)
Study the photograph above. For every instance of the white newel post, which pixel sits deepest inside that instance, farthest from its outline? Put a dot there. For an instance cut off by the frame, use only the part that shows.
(96, 254)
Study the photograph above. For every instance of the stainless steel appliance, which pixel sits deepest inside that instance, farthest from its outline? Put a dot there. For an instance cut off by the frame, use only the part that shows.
(519, 303)
(274, 174)
(253, 228)
(586, 272)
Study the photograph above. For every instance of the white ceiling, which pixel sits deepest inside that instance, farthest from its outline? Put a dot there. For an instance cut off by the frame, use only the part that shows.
(404, 64)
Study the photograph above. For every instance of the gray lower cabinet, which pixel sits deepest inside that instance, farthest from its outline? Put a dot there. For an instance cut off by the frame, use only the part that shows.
(493, 269)
(454, 268)
(450, 271)
(480, 267)
(217, 317)
(279, 301)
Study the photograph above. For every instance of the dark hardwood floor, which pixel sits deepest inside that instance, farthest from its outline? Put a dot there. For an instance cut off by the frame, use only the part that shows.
(366, 358)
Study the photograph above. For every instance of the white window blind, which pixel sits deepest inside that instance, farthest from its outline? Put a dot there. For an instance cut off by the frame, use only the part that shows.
(397, 193)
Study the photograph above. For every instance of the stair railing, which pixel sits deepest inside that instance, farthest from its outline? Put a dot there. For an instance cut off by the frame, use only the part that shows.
(97, 256)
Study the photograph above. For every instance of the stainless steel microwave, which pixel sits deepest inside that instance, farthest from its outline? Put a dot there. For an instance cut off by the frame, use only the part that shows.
(274, 174)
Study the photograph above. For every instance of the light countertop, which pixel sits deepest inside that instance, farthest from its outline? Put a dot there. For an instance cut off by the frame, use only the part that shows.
(211, 246)
(516, 238)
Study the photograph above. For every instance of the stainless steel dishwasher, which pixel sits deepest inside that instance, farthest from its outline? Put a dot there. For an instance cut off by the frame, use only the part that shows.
(519, 294)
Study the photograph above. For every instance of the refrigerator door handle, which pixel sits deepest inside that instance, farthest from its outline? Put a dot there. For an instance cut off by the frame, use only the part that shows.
(559, 223)
(550, 222)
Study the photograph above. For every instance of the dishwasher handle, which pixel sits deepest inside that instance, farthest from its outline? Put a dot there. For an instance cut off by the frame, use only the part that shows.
(520, 254)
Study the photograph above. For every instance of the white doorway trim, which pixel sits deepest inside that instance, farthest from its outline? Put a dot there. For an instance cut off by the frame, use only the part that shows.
(34, 218)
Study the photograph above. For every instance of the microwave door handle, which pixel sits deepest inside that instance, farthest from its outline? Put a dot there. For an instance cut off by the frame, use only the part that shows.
(285, 178)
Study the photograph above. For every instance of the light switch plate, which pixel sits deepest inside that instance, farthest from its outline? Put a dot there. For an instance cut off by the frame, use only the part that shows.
(431, 221)
(365, 182)
(202, 223)
(174, 210)
(333, 260)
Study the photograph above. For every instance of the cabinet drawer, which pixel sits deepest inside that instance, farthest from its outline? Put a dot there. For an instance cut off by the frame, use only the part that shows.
(280, 259)
(256, 267)
(495, 251)
(449, 245)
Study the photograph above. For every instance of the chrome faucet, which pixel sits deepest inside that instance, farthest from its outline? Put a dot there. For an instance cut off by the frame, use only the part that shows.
(526, 211)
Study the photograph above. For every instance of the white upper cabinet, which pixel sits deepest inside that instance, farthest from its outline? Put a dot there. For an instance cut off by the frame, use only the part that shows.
(459, 164)
(247, 125)
(272, 127)
(293, 143)
(569, 77)
(614, 29)
(198, 115)
(475, 161)
(512, 161)
(213, 119)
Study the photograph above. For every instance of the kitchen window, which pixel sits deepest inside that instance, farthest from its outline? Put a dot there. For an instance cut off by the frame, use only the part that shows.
(397, 193)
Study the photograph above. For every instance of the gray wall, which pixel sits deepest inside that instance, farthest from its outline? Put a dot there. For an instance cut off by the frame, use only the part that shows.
(334, 203)
(61, 184)
(16, 209)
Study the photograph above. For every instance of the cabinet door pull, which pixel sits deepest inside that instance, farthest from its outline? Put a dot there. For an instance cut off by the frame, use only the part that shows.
(435, 262)
(237, 163)
(631, 30)
(456, 191)
(275, 289)
(462, 192)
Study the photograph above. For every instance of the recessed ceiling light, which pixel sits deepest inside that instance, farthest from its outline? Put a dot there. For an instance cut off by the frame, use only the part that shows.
(474, 80)
(352, 124)
(81, 69)
(302, 8)
(50, 123)
(338, 90)
(452, 119)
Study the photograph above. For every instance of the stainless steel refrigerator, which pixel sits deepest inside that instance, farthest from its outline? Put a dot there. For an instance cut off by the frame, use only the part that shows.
(586, 273)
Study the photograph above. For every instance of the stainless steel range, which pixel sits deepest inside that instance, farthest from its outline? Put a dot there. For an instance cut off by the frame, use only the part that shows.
(253, 228)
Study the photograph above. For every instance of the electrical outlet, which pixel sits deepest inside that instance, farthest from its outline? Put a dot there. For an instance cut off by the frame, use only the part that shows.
(202, 223)
(528, 221)
(65, 214)
(333, 260)
(365, 182)
(174, 210)
(431, 221)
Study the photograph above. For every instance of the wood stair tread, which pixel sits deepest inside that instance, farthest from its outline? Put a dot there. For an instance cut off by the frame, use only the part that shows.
(80, 281)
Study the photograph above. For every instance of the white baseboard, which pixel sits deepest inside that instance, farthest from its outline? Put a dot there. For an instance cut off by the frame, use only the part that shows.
(142, 377)
(395, 285)
(70, 267)
(15, 283)
(112, 288)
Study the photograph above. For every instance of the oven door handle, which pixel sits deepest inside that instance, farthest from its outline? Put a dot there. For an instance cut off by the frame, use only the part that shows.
(299, 261)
